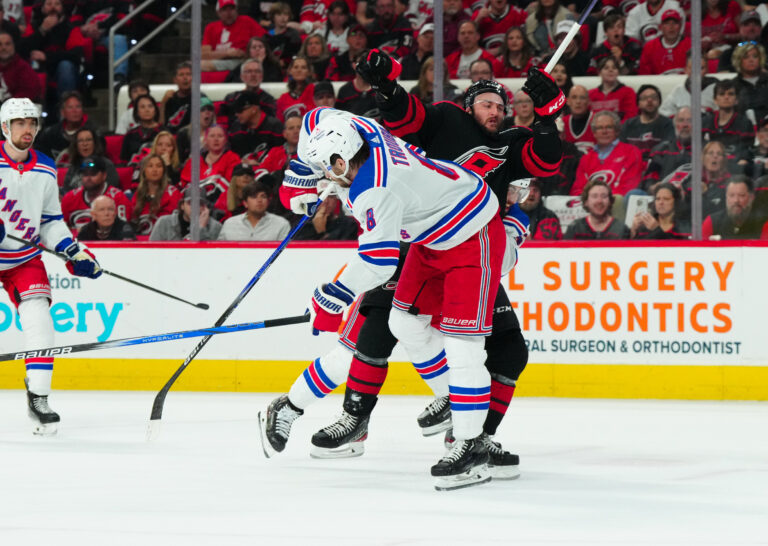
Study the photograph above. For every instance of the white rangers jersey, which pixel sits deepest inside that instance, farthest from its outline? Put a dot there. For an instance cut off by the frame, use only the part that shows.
(400, 195)
(29, 207)
(643, 25)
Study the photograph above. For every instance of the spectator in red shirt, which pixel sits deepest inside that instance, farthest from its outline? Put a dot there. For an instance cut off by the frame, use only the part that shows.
(154, 197)
(17, 79)
(493, 21)
(667, 53)
(278, 157)
(301, 88)
(453, 16)
(577, 125)
(516, 57)
(719, 24)
(469, 40)
(625, 50)
(617, 163)
(230, 202)
(76, 204)
(225, 41)
(611, 94)
(216, 164)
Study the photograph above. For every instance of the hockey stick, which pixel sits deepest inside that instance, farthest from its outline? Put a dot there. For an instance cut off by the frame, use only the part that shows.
(115, 275)
(143, 340)
(157, 406)
(568, 37)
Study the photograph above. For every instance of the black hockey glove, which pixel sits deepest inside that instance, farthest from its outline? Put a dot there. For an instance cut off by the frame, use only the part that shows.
(548, 99)
(380, 71)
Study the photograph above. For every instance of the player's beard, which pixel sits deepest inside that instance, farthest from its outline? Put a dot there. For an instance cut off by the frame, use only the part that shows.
(21, 146)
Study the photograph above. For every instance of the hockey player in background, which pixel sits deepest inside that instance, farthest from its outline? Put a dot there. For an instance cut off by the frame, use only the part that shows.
(449, 215)
(30, 210)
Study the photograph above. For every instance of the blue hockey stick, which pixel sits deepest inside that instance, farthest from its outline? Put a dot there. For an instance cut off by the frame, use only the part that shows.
(143, 340)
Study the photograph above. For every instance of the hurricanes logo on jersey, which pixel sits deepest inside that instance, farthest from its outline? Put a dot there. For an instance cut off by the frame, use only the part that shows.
(483, 160)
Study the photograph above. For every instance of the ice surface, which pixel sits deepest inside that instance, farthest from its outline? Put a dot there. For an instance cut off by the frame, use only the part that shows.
(593, 472)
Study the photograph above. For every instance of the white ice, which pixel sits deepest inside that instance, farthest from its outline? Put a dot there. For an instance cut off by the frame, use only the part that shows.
(593, 472)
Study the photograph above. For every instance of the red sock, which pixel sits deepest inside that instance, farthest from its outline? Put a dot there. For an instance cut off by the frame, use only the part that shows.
(501, 395)
(366, 378)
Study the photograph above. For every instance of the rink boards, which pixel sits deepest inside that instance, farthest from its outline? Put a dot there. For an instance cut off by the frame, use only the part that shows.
(605, 320)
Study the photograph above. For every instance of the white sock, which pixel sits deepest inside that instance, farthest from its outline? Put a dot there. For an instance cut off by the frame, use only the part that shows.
(321, 377)
(37, 325)
(470, 384)
(424, 346)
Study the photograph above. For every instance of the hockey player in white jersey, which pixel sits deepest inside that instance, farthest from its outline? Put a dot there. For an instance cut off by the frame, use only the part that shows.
(29, 209)
(449, 215)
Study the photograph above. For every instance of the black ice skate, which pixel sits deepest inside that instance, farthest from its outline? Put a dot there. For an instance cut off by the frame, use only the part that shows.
(502, 464)
(45, 420)
(436, 417)
(344, 438)
(465, 465)
(275, 424)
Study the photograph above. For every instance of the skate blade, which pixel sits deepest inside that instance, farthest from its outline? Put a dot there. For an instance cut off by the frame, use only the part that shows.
(352, 449)
(265, 445)
(474, 476)
(509, 472)
(50, 429)
(436, 429)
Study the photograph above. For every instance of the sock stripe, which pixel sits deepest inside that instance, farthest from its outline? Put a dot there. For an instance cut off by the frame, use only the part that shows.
(432, 368)
(48, 367)
(317, 381)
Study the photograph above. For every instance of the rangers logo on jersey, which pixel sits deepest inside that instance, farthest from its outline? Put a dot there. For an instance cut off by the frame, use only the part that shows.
(483, 160)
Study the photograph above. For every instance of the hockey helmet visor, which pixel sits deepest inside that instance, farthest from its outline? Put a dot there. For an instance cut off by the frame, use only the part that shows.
(518, 190)
(484, 86)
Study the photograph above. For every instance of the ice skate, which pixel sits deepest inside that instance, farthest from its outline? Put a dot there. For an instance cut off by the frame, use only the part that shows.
(45, 420)
(275, 424)
(344, 438)
(436, 417)
(465, 465)
(502, 464)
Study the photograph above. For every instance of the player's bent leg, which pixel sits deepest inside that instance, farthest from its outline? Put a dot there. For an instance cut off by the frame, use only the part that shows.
(424, 346)
(38, 329)
(466, 463)
(320, 378)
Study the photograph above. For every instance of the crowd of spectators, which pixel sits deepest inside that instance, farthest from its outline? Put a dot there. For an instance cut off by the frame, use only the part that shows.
(626, 154)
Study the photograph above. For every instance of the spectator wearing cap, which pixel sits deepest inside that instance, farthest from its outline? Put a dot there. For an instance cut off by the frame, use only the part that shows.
(390, 32)
(216, 164)
(255, 224)
(176, 226)
(751, 80)
(516, 55)
(299, 99)
(542, 22)
(425, 47)
(146, 114)
(453, 16)
(758, 154)
(276, 160)
(17, 79)
(645, 19)
(207, 120)
(667, 53)
(727, 125)
(341, 66)
(544, 224)
(255, 132)
(648, 128)
(230, 203)
(357, 97)
(225, 41)
(324, 94)
(76, 204)
(105, 225)
(284, 41)
(750, 26)
(252, 75)
(611, 94)
(55, 139)
(575, 60)
(136, 88)
(155, 196)
(625, 50)
(493, 20)
(469, 51)
(85, 143)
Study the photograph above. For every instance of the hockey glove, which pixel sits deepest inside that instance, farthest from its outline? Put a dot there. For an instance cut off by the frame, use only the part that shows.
(299, 189)
(2, 231)
(548, 99)
(328, 303)
(80, 261)
(380, 71)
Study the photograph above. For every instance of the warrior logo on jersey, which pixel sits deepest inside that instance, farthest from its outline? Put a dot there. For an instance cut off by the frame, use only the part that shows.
(483, 160)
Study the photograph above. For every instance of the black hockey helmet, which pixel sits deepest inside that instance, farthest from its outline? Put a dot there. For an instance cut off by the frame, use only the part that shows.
(484, 86)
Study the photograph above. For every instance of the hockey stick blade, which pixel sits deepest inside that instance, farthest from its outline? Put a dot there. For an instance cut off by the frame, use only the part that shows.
(110, 273)
(143, 340)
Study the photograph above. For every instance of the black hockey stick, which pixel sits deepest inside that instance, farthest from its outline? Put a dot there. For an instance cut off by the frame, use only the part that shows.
(115, 275)
(143, 340)
(157, 406)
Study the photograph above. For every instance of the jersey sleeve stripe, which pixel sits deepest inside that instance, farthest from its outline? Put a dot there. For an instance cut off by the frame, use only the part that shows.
(535, 165)
(457, 218)
(379, 262)
(413, 120)
(382, 244)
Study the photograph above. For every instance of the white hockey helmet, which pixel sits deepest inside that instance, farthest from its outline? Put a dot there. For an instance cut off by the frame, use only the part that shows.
(334, 135)
(17, 109)
(518, 190)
